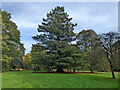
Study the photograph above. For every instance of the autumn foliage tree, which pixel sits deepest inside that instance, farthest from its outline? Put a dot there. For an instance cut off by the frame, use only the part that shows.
(27, 61)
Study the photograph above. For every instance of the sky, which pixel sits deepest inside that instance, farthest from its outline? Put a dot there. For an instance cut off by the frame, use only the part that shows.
(102, 17)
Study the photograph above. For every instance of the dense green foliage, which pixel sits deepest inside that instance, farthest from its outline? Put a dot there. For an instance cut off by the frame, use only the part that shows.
(12, 48)
(39, 57)
(27, 79)
(43, 59)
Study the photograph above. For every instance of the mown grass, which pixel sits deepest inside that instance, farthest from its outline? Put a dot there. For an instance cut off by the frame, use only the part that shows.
(27, 79)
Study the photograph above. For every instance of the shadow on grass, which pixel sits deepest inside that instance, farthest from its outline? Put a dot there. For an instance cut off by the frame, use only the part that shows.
(67, 72)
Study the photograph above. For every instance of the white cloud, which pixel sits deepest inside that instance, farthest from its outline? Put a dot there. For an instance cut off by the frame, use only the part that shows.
(22, 23)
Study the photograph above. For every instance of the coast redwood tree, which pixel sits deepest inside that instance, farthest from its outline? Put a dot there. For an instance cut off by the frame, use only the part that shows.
(56, 33)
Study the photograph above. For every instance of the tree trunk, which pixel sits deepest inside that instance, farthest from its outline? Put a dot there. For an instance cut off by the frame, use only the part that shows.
(91, 70)
(113, 75)
(59, 70)
(112, 71)
(73, 70)
(111, 67)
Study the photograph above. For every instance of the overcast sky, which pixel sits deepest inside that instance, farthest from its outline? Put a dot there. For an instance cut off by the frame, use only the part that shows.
(101, 17)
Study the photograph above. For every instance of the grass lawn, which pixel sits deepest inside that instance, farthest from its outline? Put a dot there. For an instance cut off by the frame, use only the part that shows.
(27, 79)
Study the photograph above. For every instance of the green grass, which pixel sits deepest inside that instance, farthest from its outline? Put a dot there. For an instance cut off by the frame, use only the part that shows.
(27, 79)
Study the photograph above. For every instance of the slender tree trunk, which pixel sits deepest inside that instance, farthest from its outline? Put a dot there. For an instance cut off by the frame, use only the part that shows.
(91, 70)
(112, 71)
(111, 66)
(113, 75)
(73, 70)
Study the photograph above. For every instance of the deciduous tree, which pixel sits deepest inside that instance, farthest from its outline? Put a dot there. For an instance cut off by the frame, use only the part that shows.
(86, 41)
(108, 40)
(11, 45)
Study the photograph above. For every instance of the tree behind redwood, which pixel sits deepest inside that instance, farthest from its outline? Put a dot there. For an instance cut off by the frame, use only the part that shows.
(86, 40)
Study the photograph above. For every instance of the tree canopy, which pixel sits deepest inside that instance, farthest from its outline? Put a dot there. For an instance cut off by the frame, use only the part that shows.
(12, 48)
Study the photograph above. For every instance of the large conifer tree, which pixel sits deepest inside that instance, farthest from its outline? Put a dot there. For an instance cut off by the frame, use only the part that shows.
(56, 33)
